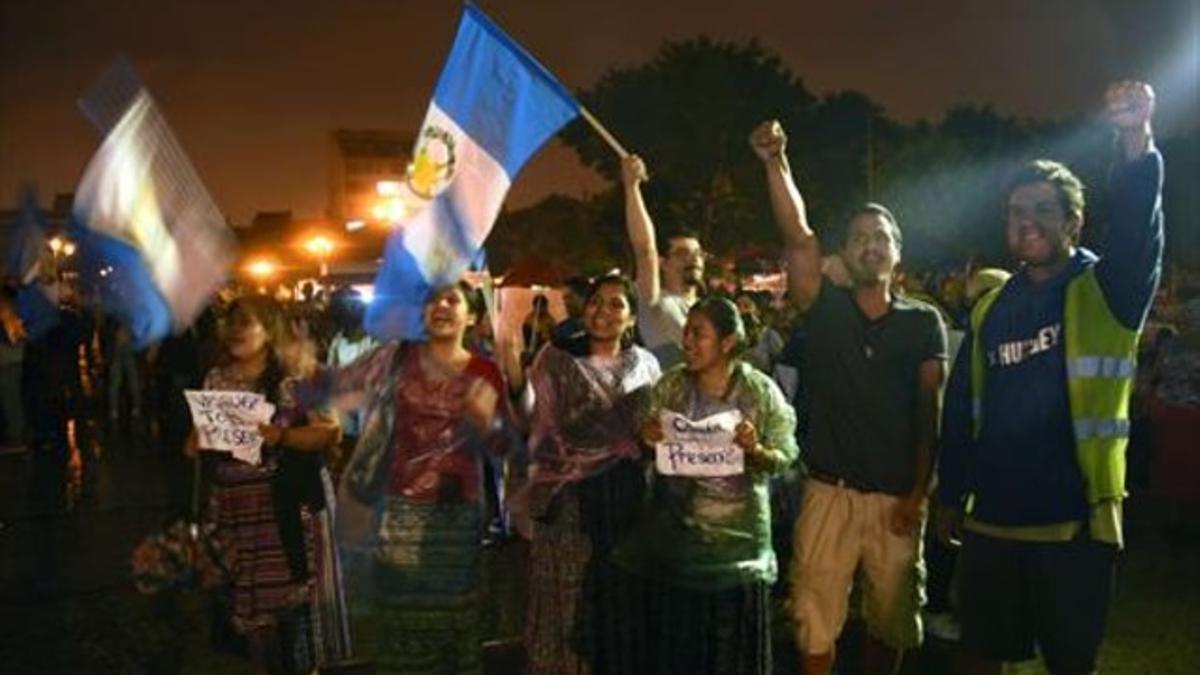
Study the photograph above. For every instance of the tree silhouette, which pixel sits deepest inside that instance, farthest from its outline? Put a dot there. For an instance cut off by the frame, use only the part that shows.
(688, 113)
(689, 110)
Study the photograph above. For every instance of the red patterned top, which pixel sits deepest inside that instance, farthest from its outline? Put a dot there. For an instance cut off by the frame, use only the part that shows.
(437, 455)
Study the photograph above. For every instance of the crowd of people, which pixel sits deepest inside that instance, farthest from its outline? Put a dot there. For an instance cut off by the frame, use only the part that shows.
(388, 466)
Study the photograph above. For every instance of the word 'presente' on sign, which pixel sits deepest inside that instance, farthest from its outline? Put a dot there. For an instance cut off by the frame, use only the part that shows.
(700, 448)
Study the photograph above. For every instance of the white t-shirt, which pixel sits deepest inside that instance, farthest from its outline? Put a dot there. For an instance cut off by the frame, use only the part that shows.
(661, 326)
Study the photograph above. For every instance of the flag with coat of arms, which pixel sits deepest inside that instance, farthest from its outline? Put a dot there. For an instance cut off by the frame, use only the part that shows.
(493, 107)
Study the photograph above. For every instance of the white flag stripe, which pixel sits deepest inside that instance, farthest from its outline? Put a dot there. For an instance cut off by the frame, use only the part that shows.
(141, 188)
(475, 193)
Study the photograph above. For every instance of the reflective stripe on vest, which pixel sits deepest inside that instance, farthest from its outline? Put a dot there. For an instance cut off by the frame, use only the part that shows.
(1087, 429)
(1101, 367)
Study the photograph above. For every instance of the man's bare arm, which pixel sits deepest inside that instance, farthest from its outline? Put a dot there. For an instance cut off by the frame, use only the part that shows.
(907, 512)
(803, 250)
(930, 378)
(641, 230)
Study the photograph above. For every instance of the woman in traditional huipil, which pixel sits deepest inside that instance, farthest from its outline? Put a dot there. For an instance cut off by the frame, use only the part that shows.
(269, 513)
(585, 484)
(703, 547)
(411, 495)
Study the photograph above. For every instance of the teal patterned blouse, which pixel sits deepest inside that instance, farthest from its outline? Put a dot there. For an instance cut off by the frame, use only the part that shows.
(712, 534)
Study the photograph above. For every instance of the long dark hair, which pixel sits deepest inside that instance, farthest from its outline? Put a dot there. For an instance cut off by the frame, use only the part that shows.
(581, 345)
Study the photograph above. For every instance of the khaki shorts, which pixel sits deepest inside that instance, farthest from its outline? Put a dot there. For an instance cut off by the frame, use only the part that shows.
(839, 531)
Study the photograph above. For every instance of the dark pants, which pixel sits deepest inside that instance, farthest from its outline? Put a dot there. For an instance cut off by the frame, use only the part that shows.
(1015, 594)
(939, 561)
(12, 407)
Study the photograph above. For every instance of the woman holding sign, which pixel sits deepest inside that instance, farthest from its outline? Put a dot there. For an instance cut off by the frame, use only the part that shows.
(267, 494)
(411, 500)
(720, 429)
(585, 484)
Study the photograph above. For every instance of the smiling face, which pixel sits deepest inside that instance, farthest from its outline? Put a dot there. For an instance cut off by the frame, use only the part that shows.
(607, 314)
(871, 251)
(447, 314)
(683, 261)
(703, 346)
(1039, 231)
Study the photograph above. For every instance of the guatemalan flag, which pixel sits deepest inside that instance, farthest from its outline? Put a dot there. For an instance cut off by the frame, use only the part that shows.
(493, 107)
(151, 239)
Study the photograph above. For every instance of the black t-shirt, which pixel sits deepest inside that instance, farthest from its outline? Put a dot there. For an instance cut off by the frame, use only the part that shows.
(861, 378)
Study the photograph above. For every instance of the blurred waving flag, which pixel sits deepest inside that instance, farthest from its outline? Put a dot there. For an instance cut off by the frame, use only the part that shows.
(150, 236)
(493, 107)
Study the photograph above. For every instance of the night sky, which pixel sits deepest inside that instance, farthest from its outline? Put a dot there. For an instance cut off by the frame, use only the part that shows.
(252, 88)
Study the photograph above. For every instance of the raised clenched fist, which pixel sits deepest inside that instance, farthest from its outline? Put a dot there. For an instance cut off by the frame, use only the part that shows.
(768, 140)
(1129, 105)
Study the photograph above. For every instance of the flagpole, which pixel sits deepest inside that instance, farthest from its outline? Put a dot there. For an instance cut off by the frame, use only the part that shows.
(604, 133)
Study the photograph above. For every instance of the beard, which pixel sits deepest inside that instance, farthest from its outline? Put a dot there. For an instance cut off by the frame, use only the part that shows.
(868, 274)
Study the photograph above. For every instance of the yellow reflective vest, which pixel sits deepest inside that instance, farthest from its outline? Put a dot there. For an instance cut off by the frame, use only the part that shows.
(1101, 359)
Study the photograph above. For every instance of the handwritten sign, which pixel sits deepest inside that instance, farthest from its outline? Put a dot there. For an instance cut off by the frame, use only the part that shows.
(699, 448)
(227, 421)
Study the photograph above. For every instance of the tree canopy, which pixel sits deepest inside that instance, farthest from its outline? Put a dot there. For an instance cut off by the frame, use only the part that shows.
(689, 111)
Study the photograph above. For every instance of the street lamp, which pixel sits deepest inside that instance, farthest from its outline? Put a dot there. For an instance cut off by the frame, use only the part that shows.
(60, 248)
(321, 247)
(261, 270)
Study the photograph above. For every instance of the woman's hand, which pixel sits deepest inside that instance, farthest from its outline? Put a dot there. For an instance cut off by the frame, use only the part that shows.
(758, 460)
(271, 434)
(745, 435)
(651, 433)
(191, 447)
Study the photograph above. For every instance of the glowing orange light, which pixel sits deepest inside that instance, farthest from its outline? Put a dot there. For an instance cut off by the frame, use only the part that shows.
(261, 269)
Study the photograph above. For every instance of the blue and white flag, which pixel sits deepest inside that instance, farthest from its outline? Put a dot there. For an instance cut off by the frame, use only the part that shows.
(150, 236)
(494, 106)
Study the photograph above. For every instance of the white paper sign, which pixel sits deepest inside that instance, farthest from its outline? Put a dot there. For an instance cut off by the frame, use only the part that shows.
(702, 448)
(227, 421)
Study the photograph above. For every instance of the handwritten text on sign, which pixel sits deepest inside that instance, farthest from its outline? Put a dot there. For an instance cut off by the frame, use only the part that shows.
(703, 448)
(228, 421)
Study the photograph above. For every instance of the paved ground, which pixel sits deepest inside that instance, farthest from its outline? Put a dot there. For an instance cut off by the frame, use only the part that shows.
(71, 517)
